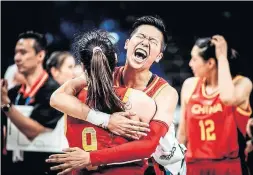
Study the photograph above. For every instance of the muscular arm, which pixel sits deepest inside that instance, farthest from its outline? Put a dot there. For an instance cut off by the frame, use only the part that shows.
(232, 93)
(236, 94)
(64, 99)
(166, 102)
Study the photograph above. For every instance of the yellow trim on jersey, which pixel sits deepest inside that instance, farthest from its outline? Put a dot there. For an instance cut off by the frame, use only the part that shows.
(159, 90)
(65, 123)
(245, 112)
(237, 77)
(127, 94)
(151, 87)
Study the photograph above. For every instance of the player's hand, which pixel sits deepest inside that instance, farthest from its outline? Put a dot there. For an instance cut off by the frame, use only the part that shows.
(121, 124)
(221, 47)
(72, 159)
(248, 149)
(249, 126)
(4, 92)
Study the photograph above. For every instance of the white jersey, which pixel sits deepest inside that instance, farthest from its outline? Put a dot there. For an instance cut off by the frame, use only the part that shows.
(170, 154)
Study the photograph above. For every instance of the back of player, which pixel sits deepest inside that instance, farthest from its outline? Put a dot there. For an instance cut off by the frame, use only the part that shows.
(89, 137)
(211, 134)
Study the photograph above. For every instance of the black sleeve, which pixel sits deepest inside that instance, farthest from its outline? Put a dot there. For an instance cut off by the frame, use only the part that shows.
(43, 112)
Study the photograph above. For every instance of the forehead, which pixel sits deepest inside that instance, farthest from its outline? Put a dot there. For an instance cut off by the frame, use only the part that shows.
(150, 31)
(195, 51)
(25, 43)
(69, 60)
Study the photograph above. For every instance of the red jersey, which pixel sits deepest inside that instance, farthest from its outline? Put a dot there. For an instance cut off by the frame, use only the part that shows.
(90, 137)
(155, 85)
(211, 126)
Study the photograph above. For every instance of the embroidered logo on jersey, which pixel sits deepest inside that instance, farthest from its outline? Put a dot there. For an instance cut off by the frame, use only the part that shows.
(168, 157)
(194, 96)
(206, 109)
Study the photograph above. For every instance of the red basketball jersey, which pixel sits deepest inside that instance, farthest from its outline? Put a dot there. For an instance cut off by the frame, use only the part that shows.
(152, 90)
(87, 136)
(211, 126)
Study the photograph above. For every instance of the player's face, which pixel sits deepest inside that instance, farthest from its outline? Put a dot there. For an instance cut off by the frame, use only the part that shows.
(198, 65)
(25, 57)
(144, 47)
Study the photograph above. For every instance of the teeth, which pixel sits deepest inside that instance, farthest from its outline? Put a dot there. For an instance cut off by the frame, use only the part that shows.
(141, 51)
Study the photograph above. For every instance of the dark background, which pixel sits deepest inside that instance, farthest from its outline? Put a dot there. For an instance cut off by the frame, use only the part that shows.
(185, 22)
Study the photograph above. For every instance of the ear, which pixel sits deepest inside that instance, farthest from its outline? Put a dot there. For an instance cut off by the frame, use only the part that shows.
(41, 55)
(54, 72)
(159, 57)
(126, 44)
(211, 63)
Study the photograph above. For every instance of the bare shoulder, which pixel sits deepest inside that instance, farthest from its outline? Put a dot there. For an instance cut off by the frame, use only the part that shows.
(188, 88)
(243, 81)
(168, 91)
(191, 81)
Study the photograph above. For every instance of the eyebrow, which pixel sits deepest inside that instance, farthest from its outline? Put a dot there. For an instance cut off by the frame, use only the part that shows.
(151, 38)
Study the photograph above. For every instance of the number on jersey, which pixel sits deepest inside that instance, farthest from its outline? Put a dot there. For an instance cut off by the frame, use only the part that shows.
(89, 139)
(207, 130)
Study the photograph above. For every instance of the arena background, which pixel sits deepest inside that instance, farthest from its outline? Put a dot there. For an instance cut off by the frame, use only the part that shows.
(185, 22)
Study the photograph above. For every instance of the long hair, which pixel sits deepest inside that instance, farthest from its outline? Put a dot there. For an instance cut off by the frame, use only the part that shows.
(98, 55)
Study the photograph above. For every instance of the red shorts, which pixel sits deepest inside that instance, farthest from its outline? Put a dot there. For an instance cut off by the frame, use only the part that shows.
(223, 167)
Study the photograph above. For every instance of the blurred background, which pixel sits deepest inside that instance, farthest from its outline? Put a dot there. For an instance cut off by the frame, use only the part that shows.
(185, 22)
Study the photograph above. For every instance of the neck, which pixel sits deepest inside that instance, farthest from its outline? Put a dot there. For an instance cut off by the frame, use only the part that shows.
(33, 76)
(136, 79)
(212, 79)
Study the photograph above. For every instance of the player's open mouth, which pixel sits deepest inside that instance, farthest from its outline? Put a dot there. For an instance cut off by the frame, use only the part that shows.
(140, 55)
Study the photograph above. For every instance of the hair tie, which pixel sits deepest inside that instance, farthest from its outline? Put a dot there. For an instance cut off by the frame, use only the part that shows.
(97, 48)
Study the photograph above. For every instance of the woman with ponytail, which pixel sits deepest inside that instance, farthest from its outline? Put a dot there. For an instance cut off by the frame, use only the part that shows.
(90, 145)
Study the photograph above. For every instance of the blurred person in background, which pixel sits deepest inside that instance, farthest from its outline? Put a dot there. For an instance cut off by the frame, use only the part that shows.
(36, 90)
(214, 110)
(60, 66)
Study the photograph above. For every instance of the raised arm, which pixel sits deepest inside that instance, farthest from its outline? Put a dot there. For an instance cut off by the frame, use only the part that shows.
(64, 99)
(230, 93)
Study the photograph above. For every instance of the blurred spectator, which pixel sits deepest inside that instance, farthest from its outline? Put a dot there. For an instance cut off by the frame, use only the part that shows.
(60, 66)
(30, 51)
(13, 77)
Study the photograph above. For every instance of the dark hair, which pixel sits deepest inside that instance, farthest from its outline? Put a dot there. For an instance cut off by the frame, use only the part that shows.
(208, 51)
(99, 64)
(40, 40)
(155, 21)
(56, 60)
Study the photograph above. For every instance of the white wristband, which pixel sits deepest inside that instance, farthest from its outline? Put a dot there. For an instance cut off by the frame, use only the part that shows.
(98, 118)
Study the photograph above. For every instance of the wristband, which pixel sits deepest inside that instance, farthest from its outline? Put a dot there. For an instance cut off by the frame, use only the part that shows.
(98, 118)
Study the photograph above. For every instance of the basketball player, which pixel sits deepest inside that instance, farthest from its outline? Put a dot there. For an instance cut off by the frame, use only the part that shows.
(214, 104)
(145, 46)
